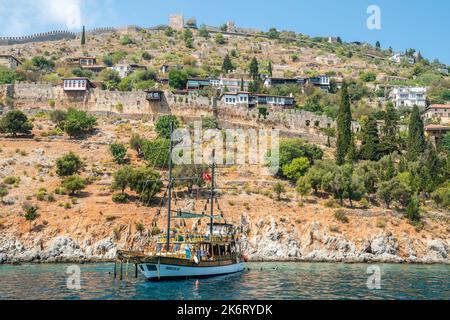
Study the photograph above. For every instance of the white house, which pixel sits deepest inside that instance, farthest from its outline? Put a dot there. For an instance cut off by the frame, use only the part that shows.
(77, 84)
(236, 98)
(400, 57)
(409, 96)
(125, 69)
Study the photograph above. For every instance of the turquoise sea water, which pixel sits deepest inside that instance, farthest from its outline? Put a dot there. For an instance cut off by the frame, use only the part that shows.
(286, 281)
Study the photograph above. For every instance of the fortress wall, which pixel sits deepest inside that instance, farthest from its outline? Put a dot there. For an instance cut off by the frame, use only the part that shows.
(33, 96)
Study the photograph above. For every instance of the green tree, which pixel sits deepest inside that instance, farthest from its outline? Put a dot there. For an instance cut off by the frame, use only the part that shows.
(442, 196)
(162, 126)
(273, 33)
(227, 66)
(416, 143)
(15, 122)
(446, 142)
(413, 210)
(270, 69)
(83, 36)
(254, 68)
(78, 123)
(73, 184)
(68, 165)
(122, 179)
(317, 172)
(390, 138)
(178, 79)
(40, 63)
(368, 172)
(292, 148)
(378, 45)
(344, 127)
(296, 169)
(118, 151)
(31, 213)
(370, 141)
(146, 182)
(156, 152)
(8, 76)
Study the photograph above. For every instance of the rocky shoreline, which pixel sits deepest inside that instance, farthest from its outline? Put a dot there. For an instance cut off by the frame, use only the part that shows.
(271, 243)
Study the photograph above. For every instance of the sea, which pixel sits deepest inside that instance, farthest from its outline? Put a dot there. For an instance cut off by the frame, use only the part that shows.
(260, 281)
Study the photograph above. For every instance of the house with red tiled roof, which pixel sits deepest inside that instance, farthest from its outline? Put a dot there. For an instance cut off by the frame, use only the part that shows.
(436, 132)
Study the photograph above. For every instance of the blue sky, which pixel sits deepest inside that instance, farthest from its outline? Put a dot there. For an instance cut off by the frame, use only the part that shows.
(419, 24)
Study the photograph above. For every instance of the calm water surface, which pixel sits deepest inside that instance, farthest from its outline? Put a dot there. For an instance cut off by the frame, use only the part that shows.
(292, 281)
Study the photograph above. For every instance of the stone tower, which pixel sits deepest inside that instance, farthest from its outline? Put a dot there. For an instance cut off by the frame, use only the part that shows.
(176, 22)
(231, 26)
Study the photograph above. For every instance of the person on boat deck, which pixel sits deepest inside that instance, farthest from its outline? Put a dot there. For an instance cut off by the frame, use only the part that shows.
(187, 250)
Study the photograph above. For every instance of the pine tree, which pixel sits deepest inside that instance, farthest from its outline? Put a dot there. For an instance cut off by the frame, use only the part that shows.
(270, 69)
(416, 143)
(254, 68)
(227, 66)
(83, 36)
(370, 141)
(390, 130)
(378, 45)
(344, 126)
(242, 84)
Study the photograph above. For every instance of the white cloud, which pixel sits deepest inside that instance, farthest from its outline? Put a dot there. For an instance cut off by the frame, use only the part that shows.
(66, 12)
(19, 17)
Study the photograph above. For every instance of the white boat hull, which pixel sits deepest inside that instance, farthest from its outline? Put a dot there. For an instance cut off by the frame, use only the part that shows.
(155, 272)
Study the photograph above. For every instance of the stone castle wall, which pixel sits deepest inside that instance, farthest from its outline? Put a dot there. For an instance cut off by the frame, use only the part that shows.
(42, 96)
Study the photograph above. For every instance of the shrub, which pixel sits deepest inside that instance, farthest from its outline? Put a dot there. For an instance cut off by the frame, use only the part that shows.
(110, 218)
(162, 126)
(139, 226)
(155, 231)
(10, 180)
(118, 151)
(279, 189)
(381, 223)
(68, 165)
(136, 142)
(341, 216)
(31, 213)
(73, 184)
(40, 196)
(120, 198)
(365, 204)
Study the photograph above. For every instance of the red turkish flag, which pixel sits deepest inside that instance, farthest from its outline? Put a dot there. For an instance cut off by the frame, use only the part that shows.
(206, 177)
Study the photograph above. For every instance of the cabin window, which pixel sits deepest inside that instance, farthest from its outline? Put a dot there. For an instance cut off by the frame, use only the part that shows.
(151, 267)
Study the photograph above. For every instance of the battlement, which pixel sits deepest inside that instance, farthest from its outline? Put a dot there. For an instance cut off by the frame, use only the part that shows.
(38, 37)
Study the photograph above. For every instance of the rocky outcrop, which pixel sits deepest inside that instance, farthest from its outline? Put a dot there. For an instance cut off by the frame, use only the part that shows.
(262, 241)
(274, 242)
(60, 249)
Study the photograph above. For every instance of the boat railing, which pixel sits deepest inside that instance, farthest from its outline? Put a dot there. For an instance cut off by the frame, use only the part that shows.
(195, 238)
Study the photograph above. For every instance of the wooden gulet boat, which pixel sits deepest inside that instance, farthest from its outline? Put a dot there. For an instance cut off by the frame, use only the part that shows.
(189, 255)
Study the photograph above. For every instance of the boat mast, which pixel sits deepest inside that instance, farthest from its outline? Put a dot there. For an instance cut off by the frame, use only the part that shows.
(169, 197)
(212, 193)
